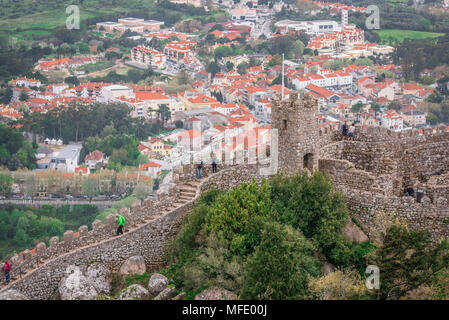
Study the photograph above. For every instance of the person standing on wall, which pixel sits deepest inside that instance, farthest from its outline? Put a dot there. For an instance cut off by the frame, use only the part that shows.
(351, 132)
(214, 164)
(344, 130)
(7, 270)
(199, 169)
(121, 224)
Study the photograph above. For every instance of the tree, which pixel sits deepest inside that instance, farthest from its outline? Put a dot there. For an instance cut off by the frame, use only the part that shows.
(223, 51)
(432, 119)
(72, 80)
(24, 96)
(229, 65)
(338, 285)
(6, 181)
(278, 80)
(83, 48)
(235, 215)
(90, 187)
(179, 124)
(216, 26)
(408, 259)
(142, 191)
(29, 186)
(21, 238)
(241, 68)
(164, 113)
(276, 60)
(296, 201)
(14, 163)
(281, 265)
(356, 107)
(213, 68)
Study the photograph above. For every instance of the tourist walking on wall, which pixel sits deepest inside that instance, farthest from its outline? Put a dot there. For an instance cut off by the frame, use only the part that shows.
(121, 224)
(199, 169)
(7, 270)
(351, 132)
(344, 130)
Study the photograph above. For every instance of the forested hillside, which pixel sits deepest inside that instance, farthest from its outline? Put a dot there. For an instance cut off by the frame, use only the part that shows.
(22, 228)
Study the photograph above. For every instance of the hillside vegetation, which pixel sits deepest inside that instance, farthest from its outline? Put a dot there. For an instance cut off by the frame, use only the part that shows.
(21, 228)
(270, 242)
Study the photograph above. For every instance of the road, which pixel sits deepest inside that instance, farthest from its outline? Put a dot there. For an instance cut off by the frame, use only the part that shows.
(101, 204)
(264, 29)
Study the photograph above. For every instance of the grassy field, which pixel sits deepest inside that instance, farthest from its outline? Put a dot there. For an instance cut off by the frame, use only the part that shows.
(399, 35)
(48, 14)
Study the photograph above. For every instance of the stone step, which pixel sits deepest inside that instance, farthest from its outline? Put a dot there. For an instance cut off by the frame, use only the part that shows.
(187, 195)
(187, 188)
(188, 191)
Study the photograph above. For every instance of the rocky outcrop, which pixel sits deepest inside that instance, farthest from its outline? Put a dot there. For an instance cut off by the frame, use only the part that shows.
(157, 284)
(134, 292)
(134, 265)
(216, 293)
(75, 286)
(166, 294)
(99, 276)
(12, 294)
(327, 268)
(354, 233)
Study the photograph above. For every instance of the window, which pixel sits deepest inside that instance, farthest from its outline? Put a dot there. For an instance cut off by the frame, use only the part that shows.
(284, 124)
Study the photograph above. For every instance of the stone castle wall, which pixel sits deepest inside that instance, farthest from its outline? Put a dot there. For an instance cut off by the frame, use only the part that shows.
(148, 239)
(371, 171)
(375, 168)
(425, 215)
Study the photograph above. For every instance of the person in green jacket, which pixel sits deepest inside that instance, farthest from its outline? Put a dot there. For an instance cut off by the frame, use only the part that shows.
(121, 224)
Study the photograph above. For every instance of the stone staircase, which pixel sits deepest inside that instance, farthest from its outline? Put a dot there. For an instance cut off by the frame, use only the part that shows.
(187, 192)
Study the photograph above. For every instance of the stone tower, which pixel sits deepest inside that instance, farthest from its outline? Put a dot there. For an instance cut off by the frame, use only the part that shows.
(298, 136)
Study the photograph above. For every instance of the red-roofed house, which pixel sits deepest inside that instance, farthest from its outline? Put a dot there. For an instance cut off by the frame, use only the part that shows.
(94, 158)
(323, 95)
(392, 120)
(152, 169)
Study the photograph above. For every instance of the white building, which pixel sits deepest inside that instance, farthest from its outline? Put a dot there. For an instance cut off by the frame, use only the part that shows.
(392, 120)
(67, 159)
(111, 92)
(312, 28)
(148, 57)
(243, 14)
